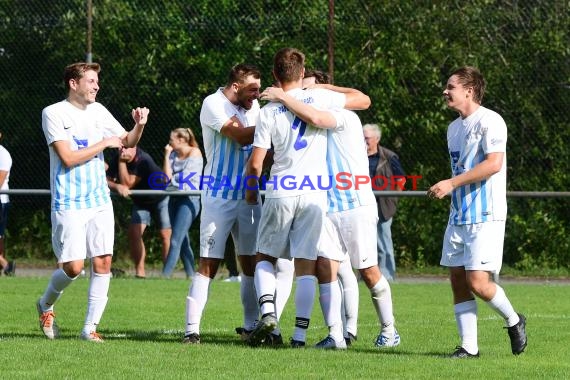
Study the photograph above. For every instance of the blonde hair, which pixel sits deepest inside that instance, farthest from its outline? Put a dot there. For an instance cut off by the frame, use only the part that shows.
(187, 135)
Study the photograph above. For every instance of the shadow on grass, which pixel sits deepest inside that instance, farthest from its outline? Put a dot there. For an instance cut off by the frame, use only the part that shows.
(169, 336)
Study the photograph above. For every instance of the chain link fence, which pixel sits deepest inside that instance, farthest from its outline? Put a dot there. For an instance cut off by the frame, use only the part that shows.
(169, 55)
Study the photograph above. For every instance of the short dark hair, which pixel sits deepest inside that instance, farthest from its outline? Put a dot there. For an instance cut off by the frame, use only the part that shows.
(320, 76)
(288, 65)
(470, 76)
(240, 72)
(77, 70)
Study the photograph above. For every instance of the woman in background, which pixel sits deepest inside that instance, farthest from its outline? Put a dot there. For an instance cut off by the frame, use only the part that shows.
(182, 159)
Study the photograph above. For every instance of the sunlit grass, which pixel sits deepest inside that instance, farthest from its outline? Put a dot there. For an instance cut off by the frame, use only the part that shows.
(144, 322)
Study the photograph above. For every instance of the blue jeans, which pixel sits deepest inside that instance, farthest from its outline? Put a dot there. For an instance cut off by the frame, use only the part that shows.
(386, 260)
(183, 210)
(141, 215)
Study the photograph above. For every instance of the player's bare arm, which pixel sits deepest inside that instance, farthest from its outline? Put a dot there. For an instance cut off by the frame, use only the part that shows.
(252, 172)
(140, 116)
(491, 165)
(355, 99)
(3, 175)
(235, 130)
(71, 158)
(307, 113)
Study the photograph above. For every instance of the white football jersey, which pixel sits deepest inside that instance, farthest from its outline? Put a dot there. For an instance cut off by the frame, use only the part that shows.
(226, 160)
(348, 164)
(299, 158)
(469, 140)
(5, 165)
(85, 185)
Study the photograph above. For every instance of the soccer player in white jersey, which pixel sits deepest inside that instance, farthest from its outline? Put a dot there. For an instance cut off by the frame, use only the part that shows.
(227, 118)
(350, 226)
(77, 131)
(295, 200)
(473, 241)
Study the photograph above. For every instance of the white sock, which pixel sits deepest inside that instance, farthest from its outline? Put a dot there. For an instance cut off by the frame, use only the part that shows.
(330, 300)
(96, 300)
(466, 319)
(249, 302)
(382, 301)
(57, 283)
(304, 300)
(501, 304)
(265, 287)
(196, 301)
(284, 274)
(350, 295)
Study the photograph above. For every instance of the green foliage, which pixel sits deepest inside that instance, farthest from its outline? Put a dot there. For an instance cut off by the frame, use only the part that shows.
(417, 232)
(30, 236)
(537, 237)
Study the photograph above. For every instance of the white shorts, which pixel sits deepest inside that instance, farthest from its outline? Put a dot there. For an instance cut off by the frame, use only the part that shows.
(219, 218)
(356, 234)
(81, 234)
(330, 246)
(474, 246)
(292, 226)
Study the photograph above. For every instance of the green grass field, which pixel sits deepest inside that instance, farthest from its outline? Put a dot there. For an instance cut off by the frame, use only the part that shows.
(144, 320)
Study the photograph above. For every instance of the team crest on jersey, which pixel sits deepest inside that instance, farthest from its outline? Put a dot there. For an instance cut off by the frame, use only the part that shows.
(496, 141)
(81, 143)
(211, 242)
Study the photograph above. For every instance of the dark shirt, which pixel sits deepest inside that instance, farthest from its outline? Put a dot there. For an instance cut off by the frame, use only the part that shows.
(141, 166)
(395, 164)
(378, 166)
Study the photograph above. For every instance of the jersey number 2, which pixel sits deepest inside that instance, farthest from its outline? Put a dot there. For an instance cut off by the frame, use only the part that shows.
(300, 142)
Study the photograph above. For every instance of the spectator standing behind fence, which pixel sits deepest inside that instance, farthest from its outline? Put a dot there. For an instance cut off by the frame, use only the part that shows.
(131, 168)
(8, 267)
(77, 130)
(473, 241)
(182, 161)
(386, 167)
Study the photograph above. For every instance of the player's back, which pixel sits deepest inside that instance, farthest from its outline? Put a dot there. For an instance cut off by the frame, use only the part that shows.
(348, 163)
(299, 148)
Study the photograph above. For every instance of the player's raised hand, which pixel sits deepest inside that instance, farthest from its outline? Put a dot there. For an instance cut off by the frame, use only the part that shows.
(140, 115)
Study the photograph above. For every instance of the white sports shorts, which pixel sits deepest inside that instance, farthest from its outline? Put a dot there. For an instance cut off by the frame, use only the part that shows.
(474, 246)
(81, 234)
(330, 246)
(356, 233)
(219, 218)
(292, 226)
